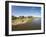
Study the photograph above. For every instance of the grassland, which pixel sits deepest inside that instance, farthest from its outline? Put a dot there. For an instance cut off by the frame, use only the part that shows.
(21, 20)
(24, 23)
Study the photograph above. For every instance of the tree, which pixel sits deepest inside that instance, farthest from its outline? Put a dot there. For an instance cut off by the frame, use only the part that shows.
(21, 17)
(13, 17)
(30, 16)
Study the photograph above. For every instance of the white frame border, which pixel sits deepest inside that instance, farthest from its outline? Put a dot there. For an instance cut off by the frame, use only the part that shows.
(28, 31)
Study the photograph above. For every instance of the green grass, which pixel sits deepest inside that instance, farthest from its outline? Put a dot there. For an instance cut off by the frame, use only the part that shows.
(25, 20)
(29, 20)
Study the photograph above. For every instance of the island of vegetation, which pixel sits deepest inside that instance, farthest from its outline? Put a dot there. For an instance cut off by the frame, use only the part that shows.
(21, 20)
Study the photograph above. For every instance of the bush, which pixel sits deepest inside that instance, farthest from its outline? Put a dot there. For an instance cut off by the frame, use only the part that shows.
(13, 18)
